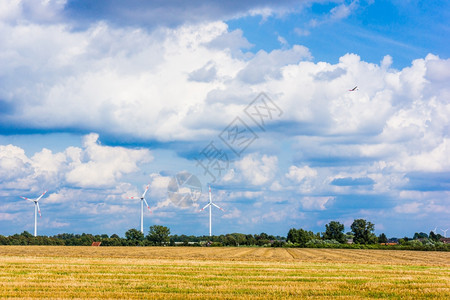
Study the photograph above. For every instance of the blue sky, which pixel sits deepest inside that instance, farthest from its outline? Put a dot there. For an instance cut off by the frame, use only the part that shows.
(100, 98)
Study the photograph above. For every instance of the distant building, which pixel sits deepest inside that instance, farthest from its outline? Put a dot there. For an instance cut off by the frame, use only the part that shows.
(445, 240)
(349, 241)
(96, 244)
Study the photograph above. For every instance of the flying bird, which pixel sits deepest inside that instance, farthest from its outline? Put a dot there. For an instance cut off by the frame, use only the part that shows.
(353, 89)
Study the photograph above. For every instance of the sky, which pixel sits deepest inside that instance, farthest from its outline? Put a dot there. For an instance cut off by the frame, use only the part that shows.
(100, 98)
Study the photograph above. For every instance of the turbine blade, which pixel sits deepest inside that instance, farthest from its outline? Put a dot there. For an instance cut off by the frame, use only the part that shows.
(205, 206)
(146, 189)
(27, 199)
(217, 206)
(41, 195)
(39, 209)
(136, 197)
(145, 201)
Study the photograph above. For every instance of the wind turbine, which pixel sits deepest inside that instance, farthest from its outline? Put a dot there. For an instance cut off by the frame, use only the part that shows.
(210, 204)
(142, 206)
(36, 210)
(445, 232)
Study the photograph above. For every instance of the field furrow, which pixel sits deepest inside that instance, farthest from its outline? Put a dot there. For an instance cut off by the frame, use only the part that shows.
(228, 273)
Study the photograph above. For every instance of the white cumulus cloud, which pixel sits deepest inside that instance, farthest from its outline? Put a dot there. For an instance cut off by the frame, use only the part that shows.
(298, 174)
(257, 169)
(93, 165)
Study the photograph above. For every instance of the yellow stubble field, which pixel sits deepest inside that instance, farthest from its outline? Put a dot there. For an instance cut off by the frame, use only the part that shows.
(228, 273)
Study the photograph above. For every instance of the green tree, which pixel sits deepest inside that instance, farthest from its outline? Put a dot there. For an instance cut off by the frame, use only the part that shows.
(27, 235)
(112, 241)
(262, 236)
(230, 240)
(382, 238)
(305, 236)
(262, 239)
(420, 235)
(293, 236)
(363, 232)
(134, 237)
(3, 240)
(300, 236)
(250, 239)
(334, 231)
(241, 239)
(433, 236)
(159, 234)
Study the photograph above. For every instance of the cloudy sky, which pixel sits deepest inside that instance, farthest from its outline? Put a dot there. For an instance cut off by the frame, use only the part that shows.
(100, 98)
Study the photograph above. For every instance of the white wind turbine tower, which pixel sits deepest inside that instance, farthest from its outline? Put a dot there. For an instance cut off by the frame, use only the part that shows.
(210, 204)
(445, 232)
(142, 206)
(36, 210)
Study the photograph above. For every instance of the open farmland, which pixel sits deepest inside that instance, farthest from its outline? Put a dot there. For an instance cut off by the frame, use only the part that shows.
(187, 272)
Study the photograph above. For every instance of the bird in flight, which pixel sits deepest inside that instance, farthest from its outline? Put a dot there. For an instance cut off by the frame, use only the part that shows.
(353, 89)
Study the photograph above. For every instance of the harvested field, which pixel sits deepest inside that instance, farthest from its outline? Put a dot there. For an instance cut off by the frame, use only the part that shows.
(188, 272)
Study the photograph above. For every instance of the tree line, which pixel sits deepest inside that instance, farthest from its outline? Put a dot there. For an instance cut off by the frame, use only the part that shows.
(158, 236)
(361, 236)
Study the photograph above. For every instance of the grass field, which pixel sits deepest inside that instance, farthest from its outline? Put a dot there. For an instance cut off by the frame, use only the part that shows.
(187, 272)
